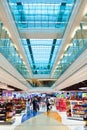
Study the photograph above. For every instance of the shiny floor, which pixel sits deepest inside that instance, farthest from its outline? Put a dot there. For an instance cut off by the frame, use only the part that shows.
(45, 121)
(53, 120)
(42, 122)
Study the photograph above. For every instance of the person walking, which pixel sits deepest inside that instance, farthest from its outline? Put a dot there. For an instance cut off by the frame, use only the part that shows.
(34, 102)
(48, 105)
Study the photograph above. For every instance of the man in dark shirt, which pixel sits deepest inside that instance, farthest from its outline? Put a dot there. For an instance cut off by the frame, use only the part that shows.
(34, 106)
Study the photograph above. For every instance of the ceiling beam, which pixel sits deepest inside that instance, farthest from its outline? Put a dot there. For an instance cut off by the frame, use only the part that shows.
(40, 33)
(52, 51)
(31, 52)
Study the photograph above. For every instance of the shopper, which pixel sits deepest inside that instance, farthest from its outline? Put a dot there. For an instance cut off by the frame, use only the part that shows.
(48, 105)
(35, 108)
(28, 107)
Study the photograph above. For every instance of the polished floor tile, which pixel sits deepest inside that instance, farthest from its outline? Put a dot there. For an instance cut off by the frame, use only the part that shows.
(42, 122)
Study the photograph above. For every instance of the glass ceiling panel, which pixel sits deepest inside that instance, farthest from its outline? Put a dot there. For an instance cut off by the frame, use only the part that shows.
(42, 1)
(42, 14)
(41, 54)
(41, 49)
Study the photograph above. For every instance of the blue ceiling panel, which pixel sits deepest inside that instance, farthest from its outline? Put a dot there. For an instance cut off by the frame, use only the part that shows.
(41, 14)
(41, 54)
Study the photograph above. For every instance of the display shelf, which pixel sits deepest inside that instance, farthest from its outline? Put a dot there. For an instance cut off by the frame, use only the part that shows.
(7, 122)
(85, 110)
(2, 112)
(75, 118)
(18, 106)
(76, 109)
(23, 104)
(10, 115)
(7, 113)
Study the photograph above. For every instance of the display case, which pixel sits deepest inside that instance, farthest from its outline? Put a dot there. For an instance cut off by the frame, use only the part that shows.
(18, 105)
(68, 108)
(23, 104)
(10, 112)
(7, 113)
(85, 110)
(76, 109)
(2, 112)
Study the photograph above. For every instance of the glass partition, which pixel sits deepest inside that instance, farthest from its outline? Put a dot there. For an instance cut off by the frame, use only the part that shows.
(77, 46)
(8, 49)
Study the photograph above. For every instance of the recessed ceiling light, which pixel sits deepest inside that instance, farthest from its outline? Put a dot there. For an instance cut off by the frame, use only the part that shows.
(83, 88)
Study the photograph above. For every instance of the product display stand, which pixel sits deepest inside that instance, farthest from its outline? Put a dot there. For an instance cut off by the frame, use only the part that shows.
(10, 112)
(76, 109)
(23, 104)
(7, 113)
(18, 106)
